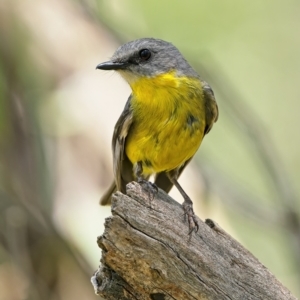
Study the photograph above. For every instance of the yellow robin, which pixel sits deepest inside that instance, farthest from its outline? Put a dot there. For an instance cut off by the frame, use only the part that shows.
(167, 115)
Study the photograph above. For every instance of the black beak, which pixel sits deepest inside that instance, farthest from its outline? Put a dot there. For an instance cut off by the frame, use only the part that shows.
(111, 65)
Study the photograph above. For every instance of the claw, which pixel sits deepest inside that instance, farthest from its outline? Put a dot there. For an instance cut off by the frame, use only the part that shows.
(190, 215)
(187, 204)
(151, 188)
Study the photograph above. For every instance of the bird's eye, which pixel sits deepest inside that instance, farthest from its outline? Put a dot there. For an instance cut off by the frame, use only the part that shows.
(145, 54)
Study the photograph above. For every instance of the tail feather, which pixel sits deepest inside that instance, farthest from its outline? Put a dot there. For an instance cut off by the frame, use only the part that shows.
(106, 198)
(163, 182)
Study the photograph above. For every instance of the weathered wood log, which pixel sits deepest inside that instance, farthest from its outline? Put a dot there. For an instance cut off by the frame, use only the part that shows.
(147, 253)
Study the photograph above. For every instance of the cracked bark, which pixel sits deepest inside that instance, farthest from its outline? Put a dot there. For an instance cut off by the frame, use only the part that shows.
(148, 254)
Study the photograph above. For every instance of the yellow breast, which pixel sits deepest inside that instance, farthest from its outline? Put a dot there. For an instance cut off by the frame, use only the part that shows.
(168, 121)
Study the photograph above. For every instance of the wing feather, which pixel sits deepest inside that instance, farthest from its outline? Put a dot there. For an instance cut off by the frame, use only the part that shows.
(121, 164)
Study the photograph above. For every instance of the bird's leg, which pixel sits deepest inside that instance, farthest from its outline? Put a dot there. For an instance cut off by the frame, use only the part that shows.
(151, 187)
(139, 172)
(187, 204)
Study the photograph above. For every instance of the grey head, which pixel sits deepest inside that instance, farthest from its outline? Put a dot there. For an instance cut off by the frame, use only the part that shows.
(148, 57)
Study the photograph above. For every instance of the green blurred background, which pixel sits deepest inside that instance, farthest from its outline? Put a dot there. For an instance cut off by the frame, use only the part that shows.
(57, 115)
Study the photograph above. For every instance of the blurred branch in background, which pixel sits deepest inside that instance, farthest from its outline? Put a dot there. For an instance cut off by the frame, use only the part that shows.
(36, 261)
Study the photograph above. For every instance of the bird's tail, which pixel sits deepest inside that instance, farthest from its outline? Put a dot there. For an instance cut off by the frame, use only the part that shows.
(106, 198)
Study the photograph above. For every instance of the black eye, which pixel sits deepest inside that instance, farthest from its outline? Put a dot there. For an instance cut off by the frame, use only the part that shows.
(145, 54)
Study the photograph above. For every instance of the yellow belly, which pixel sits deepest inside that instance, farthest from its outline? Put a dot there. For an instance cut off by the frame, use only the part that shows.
(168, 123)
(162, 150)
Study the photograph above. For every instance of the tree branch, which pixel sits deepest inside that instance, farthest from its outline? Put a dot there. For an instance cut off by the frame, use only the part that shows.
(148, 254)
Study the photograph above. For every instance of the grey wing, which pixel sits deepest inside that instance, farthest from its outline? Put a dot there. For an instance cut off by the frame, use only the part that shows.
(121, 164)
(211, 107)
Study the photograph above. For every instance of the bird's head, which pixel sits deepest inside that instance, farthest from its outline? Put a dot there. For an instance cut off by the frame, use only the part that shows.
(147, 57)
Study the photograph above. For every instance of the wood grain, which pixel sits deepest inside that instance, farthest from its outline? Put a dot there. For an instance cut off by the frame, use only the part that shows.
(147, 253)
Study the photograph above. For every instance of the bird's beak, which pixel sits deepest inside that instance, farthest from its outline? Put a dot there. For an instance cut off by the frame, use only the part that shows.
(111, 65)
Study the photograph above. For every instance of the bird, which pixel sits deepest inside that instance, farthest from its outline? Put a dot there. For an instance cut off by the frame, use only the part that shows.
(164, 120)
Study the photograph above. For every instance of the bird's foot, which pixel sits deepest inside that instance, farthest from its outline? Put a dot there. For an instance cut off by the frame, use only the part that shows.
(150, 187)
(190, 215)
